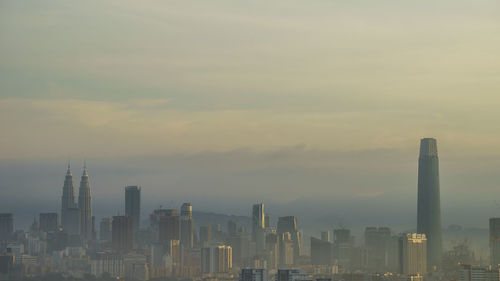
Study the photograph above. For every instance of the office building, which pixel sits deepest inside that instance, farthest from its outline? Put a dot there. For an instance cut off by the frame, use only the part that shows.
(6, 226)
(216, 259)
(253, 274)
(377, 244)
(122, 234)
(494, 241)
(326, 236)
(289, 224)
(85, 206)
(429, 206)
(343, 247)
(413, 254)
(286, 250)
(169, 229)
(133, 206)
(321, 252)
(105, 229)
(187, 226)
(205, 234)
(49, 222)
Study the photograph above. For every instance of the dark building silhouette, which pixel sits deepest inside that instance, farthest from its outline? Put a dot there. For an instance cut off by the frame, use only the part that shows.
(321, 252)
(49, 222)
(122, 240)
(6, 226)
(105, 230)
(133, 205)
(377, 243)
(169, 229)
(494, 241)
(429, 207)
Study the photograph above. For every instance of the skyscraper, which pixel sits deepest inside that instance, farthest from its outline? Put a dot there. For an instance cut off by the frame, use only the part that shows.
(413, 253)
(187, 226)
(133, 205)
(169, 229)
(68, 204)
(321, 251)
(85, 206)
(494, 241)
(205, 234)
(289, 224)
(105, 229)
(6, 226)
(122, 239)
(377, 243)
(258, 224)
(429, 209)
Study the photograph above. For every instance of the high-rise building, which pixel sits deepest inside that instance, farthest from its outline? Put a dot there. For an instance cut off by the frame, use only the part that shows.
(68, 205)
(205, 234)
(49, 222)
(253, 274)
(258, 217)
(321, 252)
(343, 247)
(413, 253)
(216, 259)
(169, 229)
(272, 250)
(187, 226)
(289, 224)
(122, 237)
(286, 250)
(258, 225)
(494, 241)
(133, 205)
(326, 236)
(105, 230)
(376, 244)
(429, 207)
(85, 206)
(6, 226)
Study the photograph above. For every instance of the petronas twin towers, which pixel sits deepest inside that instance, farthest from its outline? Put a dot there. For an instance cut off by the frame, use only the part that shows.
(77, 218)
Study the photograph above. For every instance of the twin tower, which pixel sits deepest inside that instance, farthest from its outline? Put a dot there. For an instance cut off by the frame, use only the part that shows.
(428, 205)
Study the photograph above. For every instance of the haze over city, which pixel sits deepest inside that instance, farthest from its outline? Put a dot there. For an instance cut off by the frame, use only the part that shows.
(314, 108)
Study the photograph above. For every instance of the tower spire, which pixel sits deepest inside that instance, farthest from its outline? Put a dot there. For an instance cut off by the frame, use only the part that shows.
(85, 167)
(68, 171)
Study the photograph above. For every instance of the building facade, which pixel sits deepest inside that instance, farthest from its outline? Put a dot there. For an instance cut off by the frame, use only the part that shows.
(428, 205)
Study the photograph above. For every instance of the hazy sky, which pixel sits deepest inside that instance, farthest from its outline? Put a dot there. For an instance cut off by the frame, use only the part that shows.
(284, 101)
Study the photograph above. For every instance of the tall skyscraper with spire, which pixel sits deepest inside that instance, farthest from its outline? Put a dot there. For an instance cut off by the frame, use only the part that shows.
(429, 206)
(85, 206)
(68, 200)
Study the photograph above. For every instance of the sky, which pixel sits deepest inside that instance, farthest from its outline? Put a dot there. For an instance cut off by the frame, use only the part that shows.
(314, 107)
